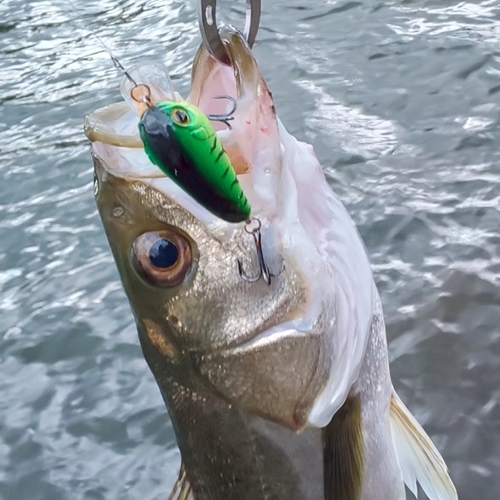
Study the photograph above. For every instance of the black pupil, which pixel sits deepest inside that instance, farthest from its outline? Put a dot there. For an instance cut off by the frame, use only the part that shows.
(163, 253)
(181, 116)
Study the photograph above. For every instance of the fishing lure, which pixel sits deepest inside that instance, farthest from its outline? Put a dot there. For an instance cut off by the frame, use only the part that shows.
(180, 140)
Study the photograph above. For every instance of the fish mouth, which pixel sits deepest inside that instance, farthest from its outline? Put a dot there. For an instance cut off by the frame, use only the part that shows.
(114, 132)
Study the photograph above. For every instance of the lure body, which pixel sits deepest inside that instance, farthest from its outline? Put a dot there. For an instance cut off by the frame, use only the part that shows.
(180, 140)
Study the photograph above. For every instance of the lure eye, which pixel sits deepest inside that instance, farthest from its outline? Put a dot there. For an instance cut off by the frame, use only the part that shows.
(180, 116)
(162, 257)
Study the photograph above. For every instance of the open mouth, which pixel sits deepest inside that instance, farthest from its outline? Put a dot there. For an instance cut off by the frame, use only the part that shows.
(216, 87)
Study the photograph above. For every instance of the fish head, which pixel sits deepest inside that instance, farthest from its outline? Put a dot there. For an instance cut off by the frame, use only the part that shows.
(264, 347)
(192, 307)
(196, 289)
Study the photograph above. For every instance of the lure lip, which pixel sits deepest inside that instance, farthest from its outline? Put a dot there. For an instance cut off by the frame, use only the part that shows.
(98, 126)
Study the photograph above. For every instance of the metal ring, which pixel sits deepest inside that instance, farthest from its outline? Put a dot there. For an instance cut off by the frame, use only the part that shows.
(253, 230)
(210, 32)
(144, 99)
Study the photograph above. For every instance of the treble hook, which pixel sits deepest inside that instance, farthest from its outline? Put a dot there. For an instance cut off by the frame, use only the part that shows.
(228, 116)
(264, 272)
(210, 31)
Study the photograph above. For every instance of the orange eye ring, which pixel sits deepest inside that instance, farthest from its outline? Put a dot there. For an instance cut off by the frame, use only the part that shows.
(163, 258)
(180, 116)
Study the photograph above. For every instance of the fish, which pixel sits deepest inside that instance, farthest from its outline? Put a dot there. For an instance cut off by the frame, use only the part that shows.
(276, 390)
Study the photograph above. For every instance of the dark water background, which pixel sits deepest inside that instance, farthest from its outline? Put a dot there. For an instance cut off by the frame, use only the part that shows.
(401, 101)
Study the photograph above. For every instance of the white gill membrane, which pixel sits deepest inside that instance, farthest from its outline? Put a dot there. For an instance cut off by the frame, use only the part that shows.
(337, 243)
(302, 218)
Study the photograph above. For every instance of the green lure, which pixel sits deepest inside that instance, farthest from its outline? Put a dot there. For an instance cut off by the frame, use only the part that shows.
(180, 140)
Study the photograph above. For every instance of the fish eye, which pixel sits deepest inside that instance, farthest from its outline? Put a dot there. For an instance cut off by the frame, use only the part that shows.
(163, 253)
(180, 116)
(162, 257)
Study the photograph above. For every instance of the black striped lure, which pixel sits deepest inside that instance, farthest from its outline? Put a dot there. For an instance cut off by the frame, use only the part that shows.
(180, 140)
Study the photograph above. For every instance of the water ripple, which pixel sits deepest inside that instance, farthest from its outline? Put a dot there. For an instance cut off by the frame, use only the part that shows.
(399, 100)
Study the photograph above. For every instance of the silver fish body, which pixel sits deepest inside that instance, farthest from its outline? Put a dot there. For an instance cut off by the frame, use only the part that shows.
(277, 391)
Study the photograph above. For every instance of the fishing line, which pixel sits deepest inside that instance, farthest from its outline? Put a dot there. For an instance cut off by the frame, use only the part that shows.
(116, 63)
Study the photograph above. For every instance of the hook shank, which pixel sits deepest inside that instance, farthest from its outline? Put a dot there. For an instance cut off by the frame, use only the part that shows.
(264, 272)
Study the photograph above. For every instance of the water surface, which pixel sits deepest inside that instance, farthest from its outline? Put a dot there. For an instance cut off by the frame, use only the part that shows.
(401, 102)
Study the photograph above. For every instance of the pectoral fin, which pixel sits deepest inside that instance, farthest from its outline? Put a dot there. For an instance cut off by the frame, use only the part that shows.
(419, 459)
(182, 488)
(343, 458)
